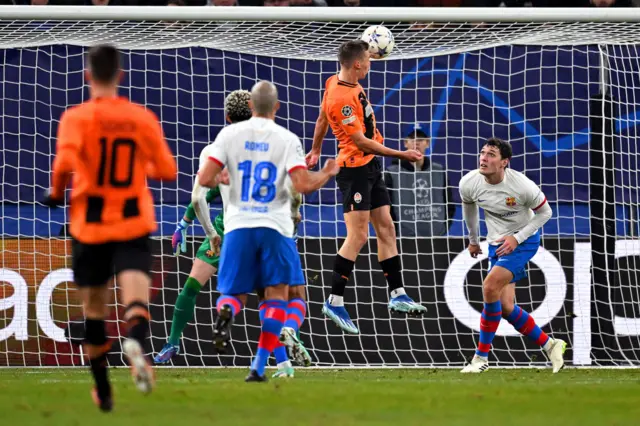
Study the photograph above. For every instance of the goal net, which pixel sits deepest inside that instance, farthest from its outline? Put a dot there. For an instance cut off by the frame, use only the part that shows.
(563, 87)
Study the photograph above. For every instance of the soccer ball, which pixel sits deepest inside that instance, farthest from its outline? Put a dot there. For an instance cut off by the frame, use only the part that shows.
(380, 41)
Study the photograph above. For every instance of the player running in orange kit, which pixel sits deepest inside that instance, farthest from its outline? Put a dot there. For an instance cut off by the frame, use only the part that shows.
(111, 146)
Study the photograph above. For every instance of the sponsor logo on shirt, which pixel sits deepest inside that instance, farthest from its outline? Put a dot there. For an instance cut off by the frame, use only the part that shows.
(349, 120)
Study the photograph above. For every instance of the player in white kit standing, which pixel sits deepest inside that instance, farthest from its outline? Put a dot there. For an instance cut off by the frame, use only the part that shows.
(259, 251)
(515, 209)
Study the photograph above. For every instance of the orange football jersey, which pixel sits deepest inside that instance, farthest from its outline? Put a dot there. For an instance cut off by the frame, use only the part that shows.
(348, 110)
(111, 145)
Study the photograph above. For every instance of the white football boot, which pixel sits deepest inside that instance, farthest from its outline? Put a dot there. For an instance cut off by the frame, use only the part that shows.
(555, 349)
(477, 365)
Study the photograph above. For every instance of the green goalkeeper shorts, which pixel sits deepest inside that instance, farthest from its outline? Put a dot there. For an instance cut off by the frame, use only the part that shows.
(206, 255)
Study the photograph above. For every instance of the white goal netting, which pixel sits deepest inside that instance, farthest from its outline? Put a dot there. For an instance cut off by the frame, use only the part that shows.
(565, 94)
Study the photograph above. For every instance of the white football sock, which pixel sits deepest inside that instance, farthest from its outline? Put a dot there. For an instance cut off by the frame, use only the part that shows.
(336, 300)
(398, 292)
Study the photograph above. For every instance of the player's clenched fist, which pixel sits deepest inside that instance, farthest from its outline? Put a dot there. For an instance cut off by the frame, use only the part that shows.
(223, 177)
(331, 167)
(215, 243)
(312, 159)
(411, 155)
(474, 250)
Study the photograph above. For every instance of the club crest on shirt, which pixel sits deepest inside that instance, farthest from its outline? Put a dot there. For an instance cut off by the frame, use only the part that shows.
(347, 111)
(510, 201)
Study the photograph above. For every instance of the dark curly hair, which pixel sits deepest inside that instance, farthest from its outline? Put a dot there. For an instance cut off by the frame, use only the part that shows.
(236, 106)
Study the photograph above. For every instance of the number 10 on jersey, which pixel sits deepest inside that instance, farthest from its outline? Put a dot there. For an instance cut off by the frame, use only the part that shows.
(263, 176)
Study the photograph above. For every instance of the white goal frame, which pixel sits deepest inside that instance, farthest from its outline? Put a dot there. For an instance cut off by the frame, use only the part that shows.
(543, 26)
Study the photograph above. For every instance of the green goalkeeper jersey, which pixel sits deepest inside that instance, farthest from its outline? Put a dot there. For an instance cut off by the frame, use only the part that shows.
(218, 222)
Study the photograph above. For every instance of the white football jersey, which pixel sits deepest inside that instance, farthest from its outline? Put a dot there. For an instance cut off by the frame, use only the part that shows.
(508, 206)
(259, 154)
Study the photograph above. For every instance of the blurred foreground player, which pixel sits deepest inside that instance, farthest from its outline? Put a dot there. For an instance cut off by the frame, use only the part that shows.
(111, 146)
(259, 251)
(515, 209)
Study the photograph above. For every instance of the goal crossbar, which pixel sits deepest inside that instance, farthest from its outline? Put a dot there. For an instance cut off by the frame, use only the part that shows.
(318, 14)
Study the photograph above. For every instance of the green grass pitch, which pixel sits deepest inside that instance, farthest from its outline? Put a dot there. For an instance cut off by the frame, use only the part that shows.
(189, 397)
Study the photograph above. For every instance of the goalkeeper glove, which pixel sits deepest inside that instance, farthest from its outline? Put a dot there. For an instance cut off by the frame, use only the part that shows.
(179, 238)
(51, 201)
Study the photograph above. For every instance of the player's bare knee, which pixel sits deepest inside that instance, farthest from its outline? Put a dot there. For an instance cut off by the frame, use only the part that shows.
(95, 301)
(386, 233)
(242, 298)
(201, 271)
(297, 292)
(507, 307)
(134, 286)
(276, 292)
(491, 289)
(357, 237)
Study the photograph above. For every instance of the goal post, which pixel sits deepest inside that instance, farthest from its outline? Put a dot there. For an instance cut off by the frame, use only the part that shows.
(562, 85)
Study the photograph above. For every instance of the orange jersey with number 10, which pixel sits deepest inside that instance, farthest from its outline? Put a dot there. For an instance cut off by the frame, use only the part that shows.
(111, 145)
(348, 110)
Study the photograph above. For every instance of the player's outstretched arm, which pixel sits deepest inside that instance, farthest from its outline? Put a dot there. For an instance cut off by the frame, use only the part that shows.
(305, 181)
(370, 146)
(322, 126)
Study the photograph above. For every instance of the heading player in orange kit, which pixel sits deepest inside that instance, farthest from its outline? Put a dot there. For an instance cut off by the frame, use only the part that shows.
(365, 198)
(111, 146)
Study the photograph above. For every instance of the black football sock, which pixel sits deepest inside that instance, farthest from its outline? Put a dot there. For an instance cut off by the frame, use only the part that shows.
(96, 336)
(392, 272)
(342, 269)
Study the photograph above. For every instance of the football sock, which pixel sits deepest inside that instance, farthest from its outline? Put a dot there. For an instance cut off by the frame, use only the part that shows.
(524, 323)
(296, 311)
(274, 318)
(138, 325)
(184, 309)
(489, 322)
(280, 352)
(342, 269)
(96, 336)
(234, 302)
(392, 268)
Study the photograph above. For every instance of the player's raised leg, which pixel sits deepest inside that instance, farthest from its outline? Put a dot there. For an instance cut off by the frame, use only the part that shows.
(357, 223)
(390, 262)
(202, 270)
(526, 325)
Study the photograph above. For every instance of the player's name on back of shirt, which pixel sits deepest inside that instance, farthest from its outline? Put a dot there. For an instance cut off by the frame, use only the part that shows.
(256, 146)
(110, 125)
